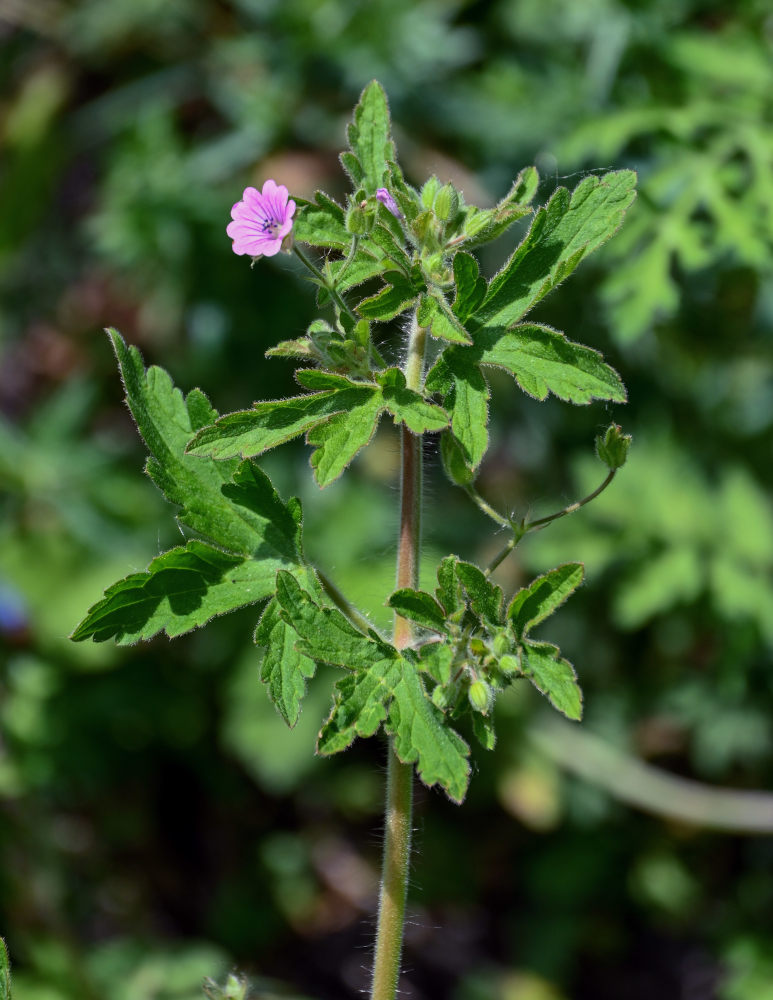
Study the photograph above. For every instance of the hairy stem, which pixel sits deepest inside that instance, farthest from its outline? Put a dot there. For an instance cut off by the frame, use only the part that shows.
(399, 805)
(328, 285)
(345, 607)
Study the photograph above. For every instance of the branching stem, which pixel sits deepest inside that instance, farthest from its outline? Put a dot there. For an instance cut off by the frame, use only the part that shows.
(399, 805)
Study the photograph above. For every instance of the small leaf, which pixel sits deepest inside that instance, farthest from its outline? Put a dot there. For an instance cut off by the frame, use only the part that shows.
(419, 607)
(422, 735)
(468, 403)
(533, 604)
(483, 727)
(553, 676)
(369, 138)
(359, 706)
(470, 285)
(284, 670)
(542, 361)
(324, 634)
(321, 224)
(435, 314)
(409, 407)
(339, 438)
(484, 596)
(449, 591)
(398, 295)
(436, 658)
(180, 590)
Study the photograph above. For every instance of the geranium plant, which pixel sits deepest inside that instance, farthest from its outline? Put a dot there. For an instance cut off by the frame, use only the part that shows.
(392, 251)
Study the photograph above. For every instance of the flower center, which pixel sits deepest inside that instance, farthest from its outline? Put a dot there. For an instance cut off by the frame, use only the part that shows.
(270, 226)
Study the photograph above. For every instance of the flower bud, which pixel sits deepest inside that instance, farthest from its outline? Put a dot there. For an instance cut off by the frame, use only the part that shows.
(481, 697)
(446, 202)
(358, 220)
(612, 449)
(501, 643)
(509, 664)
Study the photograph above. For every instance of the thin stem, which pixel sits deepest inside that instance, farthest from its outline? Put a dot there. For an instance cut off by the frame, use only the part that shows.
(398, 818)
(355, 617)
(520, 530)
(486, 507)
(325, 282)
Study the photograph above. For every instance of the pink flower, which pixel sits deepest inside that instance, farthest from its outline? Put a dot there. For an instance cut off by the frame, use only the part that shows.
(261, 220)
(388, 202)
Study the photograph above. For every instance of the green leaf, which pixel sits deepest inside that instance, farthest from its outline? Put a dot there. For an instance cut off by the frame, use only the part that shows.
(284, 670)
(388, 245)
(270, 423)
(324, 634)
(397, 295)
(369, 138)
(553, 676)
(359, 706)
(435, 314)
(321, 224)
(409, 407)
(562, 233)
(467, 400)
(339, 438)
(483, 727)
(484, 596)
(542, 361)
(180, 590)
(436, 658)
(5, 973)
(419, 607)
(449, 591)
(533, 604)
(166, 420)
(422, 736)
(470, 286)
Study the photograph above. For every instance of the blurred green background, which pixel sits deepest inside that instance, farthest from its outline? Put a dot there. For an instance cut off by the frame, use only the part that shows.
(157, 822)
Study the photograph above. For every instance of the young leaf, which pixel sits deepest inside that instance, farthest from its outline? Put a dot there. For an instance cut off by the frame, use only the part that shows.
(553, 676)
(467, 400)
(369, 138)
(435, 314)
(449, 592)
(533, 604)
(284, 669)
(422, 735)
(470, 286)
(324, 633)
(483, 727)
(419, 607)
(397, 295)
(359, 706)
(567, 229)
(321, 224)
(542, 361)
(409, 407)
(484, 596)
(338, 439)
(180, 590)
(436, 658)
(166, 420)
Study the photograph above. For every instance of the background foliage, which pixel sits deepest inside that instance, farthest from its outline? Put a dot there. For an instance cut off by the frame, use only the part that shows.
(159, 823)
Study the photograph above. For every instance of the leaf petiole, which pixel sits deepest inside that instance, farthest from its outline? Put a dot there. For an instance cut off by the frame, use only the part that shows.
(326, 283)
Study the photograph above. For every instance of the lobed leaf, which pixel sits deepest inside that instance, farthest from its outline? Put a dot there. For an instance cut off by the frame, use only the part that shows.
(338, 439)
(485, 597)
(180, 590)
(419, 607)
(553, 676)
(542, 361)
(422, 736)
(567, 229)
(284, 669)
(533, 604)
(394, 298)
(436, 315)
(409, 407)
(359, 705)
(321, 223)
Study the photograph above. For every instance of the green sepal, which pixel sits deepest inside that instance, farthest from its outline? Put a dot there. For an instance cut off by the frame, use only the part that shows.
(613, 448)
(533, 604)
(553, 676)
(419, 607)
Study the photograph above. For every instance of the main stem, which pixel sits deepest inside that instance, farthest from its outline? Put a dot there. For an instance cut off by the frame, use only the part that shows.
(399, 800)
